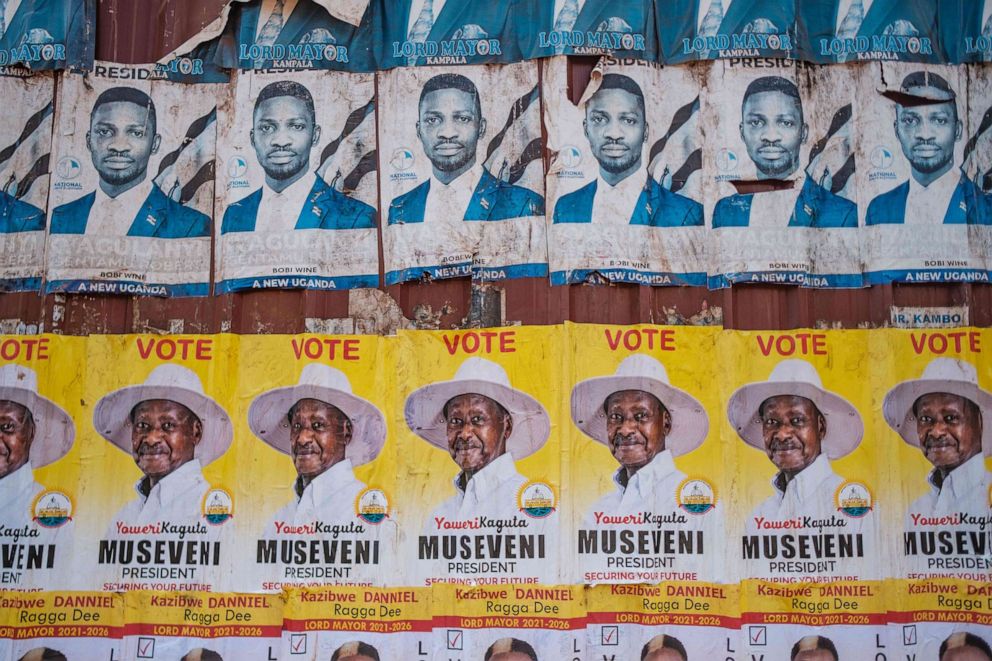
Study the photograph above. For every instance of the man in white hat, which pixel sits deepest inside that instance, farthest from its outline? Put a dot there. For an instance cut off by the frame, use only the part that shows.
(484, 425)
(172, 430)
(327, 431)
(801, 426)
(942, 414)
(34, 432)
(645, 422)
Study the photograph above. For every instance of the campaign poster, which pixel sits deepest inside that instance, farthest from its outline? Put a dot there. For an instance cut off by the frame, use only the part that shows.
(480, 447)
(805, 500)
(625, 180)
(649, 494)
(37, 626)
(773, 133)
(935, 393)
(41, 415)
(297, 202)
(497, 622)
(858, 30)
(708, 29)
(977, 156)
(966, 30)
(941, 619)
(621, 28)
(668, 622)
(921, 211)
(318, 488)
(202, 626)
(25, 155)
(438, 32)
(352, 623)
(159, 476)
(47, 34)
(132, 184)
(462, 175)
(815, 621)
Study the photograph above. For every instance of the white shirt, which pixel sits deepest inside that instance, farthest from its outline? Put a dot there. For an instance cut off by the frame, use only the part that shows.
(268, 6)
(614, 205)
(773, 209)
(415, 8)
(492, 492)
(704, 6)
(113, 216)
(279, 212)
(927, 205)
(966, 488)
(844, 6)
(17, 493)
(811, 494)
(652, 487)
(447, 203)
(176, 498)
(330, 499)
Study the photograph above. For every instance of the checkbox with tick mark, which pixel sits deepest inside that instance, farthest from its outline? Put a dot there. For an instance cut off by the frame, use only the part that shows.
(610, 635)
(298, 643)
(146, 648)
(455, 639)
(758, 636)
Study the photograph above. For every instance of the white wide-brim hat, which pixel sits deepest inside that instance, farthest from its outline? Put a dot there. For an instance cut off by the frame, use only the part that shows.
(424, 415)
(641, 372)
(54, 430)
(799, 378)
(268, 419)
(111, 417)
(949, 375)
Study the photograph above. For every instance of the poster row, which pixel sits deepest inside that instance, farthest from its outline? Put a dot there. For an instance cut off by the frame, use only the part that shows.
(817, 176)
(933, 620)
(384, 34)
(252, 463)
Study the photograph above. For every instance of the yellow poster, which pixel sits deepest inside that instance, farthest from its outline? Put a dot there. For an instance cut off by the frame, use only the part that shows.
(942, 618)
(317, 471)
(934, 391)
(479, 439)
(346, 622)
(664, 622)
(805, 486)
(647, 466)
(75, 625)
(814, 621)
(41, 402)
(509, 622)
(160, 466)
(202, 626)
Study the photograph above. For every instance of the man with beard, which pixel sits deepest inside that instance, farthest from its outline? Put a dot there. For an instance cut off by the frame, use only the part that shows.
(122, 138)
(942, 413)
(964, 646)
(814, 648)
(617, 130)
(449, 126)
(800, 426)
(937, 191)
(327, 431)
(284, 132)
(774, 129)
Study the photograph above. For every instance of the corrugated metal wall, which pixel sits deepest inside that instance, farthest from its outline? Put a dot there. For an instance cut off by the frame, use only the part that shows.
(143, 30)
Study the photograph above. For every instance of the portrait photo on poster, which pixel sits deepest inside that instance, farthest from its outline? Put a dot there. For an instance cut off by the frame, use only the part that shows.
(462, 174)
(297, 186)
(624, 182)
(776, 173)
(26, 139)
(132, 191)
(917, 130)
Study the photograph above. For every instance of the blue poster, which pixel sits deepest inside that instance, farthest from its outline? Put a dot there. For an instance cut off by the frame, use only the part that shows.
(588, 27)
(966, 29)
(705, 29)
(854, 30)
(47, 34)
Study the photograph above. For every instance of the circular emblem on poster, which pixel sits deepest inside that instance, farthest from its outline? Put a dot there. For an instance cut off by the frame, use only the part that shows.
(67, 168)
(726, 160)
(402, 159)
(218, 507)
(51, 509)
(571, 156)
(853, 499)
(695, 495)
(236, 167)
(537, 499)
(372, 505)
(881, 158)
